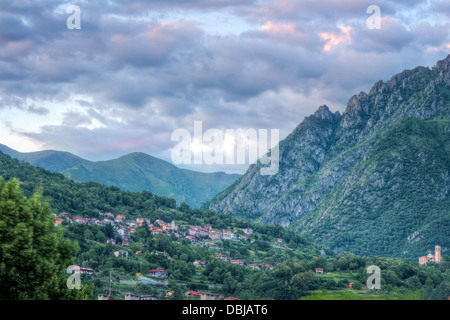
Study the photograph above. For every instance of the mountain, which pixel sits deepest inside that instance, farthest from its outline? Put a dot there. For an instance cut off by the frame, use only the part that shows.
(374, 180)
(55, 161)
(133, 172)
(140, 171)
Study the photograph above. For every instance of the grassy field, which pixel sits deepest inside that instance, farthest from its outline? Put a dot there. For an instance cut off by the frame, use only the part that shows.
(350, 277)
(361, 294)
(348, 294)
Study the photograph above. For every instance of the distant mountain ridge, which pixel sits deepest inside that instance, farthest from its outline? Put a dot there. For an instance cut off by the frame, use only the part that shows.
(374, 180)
(55, 161)
(133, 172)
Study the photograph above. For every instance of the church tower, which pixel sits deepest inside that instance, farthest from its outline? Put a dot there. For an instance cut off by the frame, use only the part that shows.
(437, 254)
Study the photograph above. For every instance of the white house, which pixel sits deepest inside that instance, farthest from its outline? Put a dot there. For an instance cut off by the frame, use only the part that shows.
(121, 253)
(159, 273)
(228, 235)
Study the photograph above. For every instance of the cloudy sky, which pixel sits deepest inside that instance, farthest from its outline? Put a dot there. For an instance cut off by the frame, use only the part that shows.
(138, 70)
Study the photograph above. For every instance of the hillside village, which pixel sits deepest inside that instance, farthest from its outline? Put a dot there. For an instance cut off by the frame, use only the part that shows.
(204, 236)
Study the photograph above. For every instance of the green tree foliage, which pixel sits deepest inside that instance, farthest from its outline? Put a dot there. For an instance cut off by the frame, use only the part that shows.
(33, 252)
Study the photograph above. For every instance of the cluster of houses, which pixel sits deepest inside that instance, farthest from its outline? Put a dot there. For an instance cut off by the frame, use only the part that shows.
(260, 266)
(124, 228)
(187, 294)
(196, 233)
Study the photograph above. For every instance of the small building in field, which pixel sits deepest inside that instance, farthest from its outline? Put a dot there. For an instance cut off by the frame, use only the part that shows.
(59, 221)
(319, 271)
(222, 257)
(120, 218)
(65, 215)
(228, 235)
(199, 263)
(238, 261)
(266, 266)
(78, 219)
(254, 266)
(210, 296)
(124, 232)
(121, 253)
(191, 293)
(86, 271)
(158, 272)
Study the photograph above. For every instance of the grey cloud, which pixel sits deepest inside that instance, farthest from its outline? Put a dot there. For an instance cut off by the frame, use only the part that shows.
(153, 45)
(427, 34)
(441, 8)
(325, 11)
(74, 119)
(393, 36)
(42, 111)
(140, 78)
(12, 28)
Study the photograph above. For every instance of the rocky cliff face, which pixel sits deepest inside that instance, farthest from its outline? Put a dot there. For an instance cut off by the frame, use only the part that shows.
(354, 180)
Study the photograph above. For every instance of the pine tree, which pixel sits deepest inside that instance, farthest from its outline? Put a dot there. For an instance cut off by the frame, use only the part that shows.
(33, 252)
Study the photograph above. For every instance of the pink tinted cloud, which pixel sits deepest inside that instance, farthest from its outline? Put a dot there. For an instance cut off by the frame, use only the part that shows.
(275, 27)
(334, 39)
(13, 50)
(288, 33)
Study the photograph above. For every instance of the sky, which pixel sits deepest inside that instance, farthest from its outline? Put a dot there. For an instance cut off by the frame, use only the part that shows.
(137, 71)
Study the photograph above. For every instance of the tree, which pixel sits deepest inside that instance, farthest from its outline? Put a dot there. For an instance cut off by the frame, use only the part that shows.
(301, 282)
(229, 285)
(184, 207)
(33, 252)
(178, 293)
(109, 231)
(414, 283)
(100, 237)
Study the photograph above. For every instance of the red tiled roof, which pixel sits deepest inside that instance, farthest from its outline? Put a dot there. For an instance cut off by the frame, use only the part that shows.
(158, 270)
